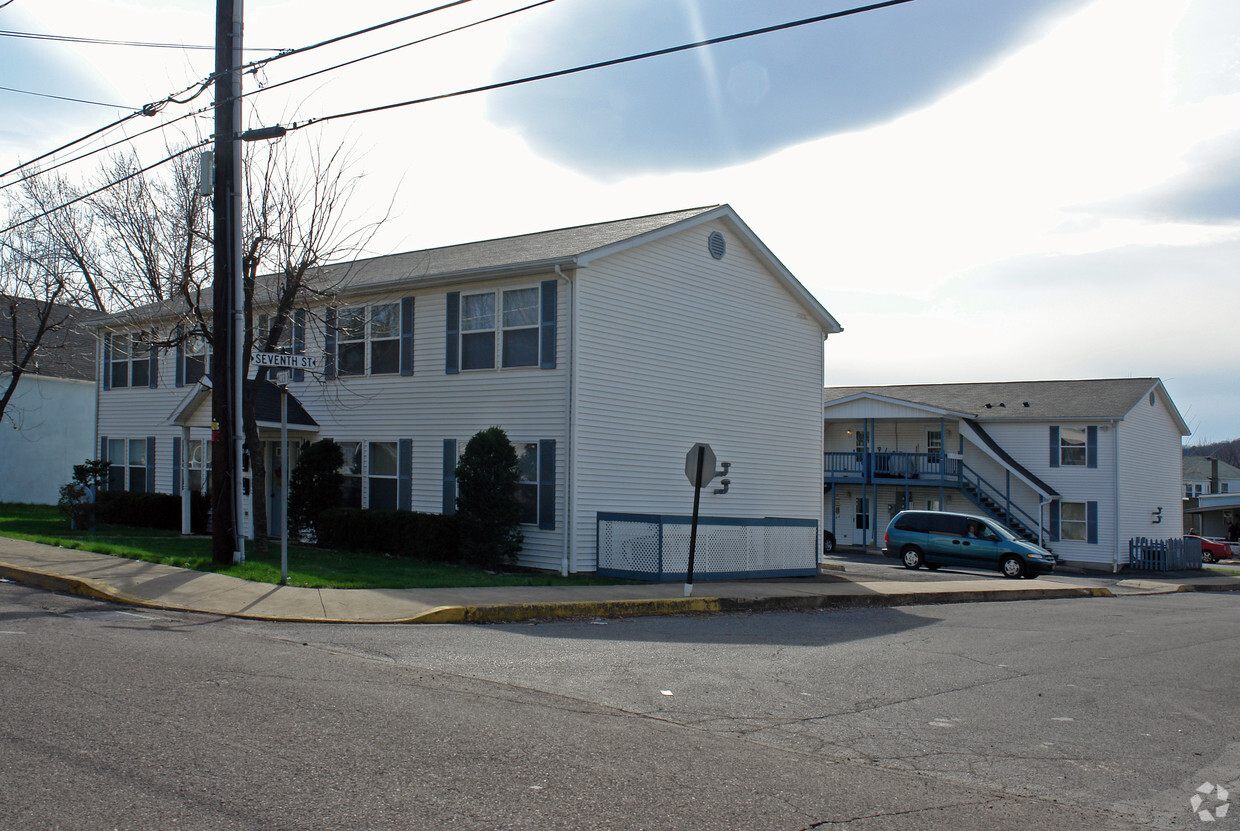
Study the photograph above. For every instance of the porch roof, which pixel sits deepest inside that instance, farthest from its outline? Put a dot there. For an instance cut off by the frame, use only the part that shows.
(266, 406)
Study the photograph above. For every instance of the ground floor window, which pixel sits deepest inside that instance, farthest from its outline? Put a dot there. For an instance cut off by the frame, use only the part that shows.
(1073, 521)
(129, 465)
(381, 476)
(527, 487)
(351, 471)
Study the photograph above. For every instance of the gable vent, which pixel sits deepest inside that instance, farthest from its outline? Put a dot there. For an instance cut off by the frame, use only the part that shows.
(717, 245)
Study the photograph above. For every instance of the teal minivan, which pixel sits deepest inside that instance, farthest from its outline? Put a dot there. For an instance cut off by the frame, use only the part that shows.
(938, 538)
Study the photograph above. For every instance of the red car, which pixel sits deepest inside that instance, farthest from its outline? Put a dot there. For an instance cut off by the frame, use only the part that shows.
(1211, 551)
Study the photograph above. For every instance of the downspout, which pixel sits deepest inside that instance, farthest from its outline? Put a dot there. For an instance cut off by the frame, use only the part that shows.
(569, 421)
(1115, 502)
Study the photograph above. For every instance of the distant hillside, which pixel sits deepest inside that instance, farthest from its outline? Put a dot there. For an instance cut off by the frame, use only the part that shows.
(1224, 451)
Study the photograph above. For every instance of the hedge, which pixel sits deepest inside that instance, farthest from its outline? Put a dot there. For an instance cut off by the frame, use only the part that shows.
(421, 536)
(150, 510)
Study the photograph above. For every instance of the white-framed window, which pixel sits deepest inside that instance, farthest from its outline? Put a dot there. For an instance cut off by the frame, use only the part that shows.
(368, 340)
(934, 444)
(351, 341)
(478, 331)
(195, 354)
(501, 327)
(521, 310)
(351, 471)
(527, 487)
(130, 356)
(128, 470)
(1073, 521)
(1225, 487)
(1072, 446)
(283, 345)
(381, 475)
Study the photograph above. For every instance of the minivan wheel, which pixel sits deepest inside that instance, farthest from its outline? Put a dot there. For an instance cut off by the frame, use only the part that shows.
(912, 557)
(1012, 566)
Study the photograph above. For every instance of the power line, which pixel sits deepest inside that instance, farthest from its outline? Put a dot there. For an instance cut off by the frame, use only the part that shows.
(109, 185)
(66, 98)
(602, 64)
(107, 42)
(150, 109)
(422, 40)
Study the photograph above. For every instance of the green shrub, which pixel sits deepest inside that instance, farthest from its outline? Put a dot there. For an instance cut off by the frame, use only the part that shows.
(77, 498)
(151, 510)
(411, 534)
(487, 477)
(314, 486)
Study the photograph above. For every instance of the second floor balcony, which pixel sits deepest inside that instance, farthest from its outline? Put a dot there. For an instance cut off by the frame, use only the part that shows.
(865, 467)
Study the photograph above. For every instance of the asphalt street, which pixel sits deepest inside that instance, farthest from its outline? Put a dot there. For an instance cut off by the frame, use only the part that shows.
(1093, 713)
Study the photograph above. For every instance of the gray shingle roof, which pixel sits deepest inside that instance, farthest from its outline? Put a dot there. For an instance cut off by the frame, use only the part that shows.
(1083, 400)
(533, 252)
(1198, 467)
(67, 351)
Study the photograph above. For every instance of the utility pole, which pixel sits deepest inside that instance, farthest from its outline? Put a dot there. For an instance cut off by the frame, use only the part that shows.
(227, 541)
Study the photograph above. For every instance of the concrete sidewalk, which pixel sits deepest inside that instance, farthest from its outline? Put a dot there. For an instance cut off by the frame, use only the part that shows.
(165, 587)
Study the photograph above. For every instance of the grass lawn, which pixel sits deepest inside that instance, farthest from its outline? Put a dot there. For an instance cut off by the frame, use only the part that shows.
(307, 565)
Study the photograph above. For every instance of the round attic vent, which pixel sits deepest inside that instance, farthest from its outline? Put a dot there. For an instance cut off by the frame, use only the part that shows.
(717, 244)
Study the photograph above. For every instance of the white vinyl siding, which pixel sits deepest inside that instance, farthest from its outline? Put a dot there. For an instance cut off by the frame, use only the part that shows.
(675, 347)
(1150, 461)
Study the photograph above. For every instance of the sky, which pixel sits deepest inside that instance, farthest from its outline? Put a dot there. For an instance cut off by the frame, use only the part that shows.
(976, 190)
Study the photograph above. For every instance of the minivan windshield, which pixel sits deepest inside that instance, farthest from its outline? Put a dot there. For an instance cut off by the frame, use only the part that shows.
(1001, 531)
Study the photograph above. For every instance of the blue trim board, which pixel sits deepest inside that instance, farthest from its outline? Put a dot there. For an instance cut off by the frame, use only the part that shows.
(703, 577)
(669, 519)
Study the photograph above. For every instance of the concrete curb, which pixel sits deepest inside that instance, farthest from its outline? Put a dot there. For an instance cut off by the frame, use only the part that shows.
(509, 613)
(515, 612)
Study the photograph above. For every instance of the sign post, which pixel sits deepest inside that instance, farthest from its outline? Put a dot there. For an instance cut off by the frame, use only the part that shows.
(700, 469)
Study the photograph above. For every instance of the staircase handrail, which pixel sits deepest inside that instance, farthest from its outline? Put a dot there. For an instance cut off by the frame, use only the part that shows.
(999, 498)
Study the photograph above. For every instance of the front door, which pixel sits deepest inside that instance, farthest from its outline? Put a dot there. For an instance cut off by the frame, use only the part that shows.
(861, 521)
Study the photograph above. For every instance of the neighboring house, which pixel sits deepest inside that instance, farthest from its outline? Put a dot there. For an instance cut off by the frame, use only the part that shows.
(1082, 466)
(1211, 496)
(1204, 475)
(605, 352)
(49, 423)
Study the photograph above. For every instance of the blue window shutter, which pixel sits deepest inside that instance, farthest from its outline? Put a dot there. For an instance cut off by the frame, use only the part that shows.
(299, 340)
(1091, 446)
(1091, 523)
(153, 365)
(179, 369)
(406, 336)
(1054, 447)
(150, 464)
(107, 362)
(546, 484)
(176, 465)
(1054, 529)
(404, 480)
(452, 335)
(329, 343)
(103, 448)
(547, 328)
(449, 477)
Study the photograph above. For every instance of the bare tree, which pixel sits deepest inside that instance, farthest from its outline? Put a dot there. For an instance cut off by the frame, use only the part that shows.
(38, 316)
(296, 220)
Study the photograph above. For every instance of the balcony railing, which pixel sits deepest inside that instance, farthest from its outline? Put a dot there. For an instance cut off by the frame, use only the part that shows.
(864, 467)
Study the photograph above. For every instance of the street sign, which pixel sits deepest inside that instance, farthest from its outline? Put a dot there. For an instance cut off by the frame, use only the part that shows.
(278, 360)
(708, 464)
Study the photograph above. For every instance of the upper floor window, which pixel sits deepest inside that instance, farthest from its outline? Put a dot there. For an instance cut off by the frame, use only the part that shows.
(195, 357)
(1072, 446)
(129, 359)
(502, 328)
(368, 339)
(934, 444)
